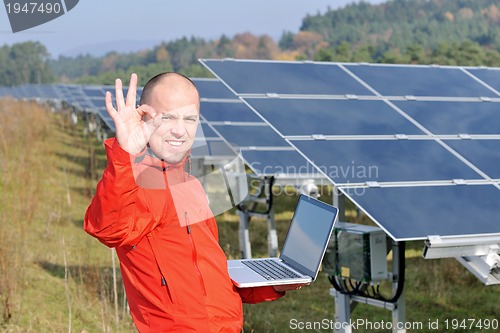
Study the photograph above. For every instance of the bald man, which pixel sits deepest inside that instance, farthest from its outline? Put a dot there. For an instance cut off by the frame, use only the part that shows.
(157, 217)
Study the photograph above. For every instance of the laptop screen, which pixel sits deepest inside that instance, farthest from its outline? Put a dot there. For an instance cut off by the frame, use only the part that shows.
(309, 232)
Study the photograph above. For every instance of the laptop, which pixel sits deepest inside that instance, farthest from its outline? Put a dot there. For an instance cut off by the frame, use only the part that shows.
(303, 250)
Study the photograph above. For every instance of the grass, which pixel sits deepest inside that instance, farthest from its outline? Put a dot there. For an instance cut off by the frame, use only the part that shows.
(53, 277)
(56, 278)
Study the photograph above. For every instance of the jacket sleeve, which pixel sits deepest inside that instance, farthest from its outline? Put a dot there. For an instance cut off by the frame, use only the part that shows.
(113, 216)
(258, 294)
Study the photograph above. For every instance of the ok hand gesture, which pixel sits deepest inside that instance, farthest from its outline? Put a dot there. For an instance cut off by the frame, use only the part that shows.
(134, 124)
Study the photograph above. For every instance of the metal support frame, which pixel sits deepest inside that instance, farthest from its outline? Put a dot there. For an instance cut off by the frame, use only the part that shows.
(272, 234)
(399, 312)
(480, 254)
(246, 212)
(345, 304)
(244, 234)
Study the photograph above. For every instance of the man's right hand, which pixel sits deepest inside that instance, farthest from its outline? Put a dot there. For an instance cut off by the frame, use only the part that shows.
(134, 125)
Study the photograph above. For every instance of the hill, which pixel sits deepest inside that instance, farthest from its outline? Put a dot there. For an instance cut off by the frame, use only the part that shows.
(398, 24)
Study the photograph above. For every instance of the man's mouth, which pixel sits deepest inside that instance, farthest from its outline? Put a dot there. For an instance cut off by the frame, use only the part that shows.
(175, 143)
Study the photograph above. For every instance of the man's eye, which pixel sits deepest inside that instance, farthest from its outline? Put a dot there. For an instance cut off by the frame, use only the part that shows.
(191, 120)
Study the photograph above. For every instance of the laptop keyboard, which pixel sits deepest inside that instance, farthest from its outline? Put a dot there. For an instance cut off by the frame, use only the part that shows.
(270, 269)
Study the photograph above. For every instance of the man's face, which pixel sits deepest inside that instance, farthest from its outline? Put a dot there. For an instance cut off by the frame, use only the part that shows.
(180, 117)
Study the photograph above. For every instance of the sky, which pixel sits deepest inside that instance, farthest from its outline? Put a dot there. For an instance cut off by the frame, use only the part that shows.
(97, 26)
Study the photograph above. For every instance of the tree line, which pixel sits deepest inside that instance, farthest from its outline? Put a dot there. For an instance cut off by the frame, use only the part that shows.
(445, 32)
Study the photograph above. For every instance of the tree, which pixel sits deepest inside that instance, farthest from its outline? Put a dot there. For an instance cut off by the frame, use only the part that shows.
(162, 54)
(286, 41)
(224, 47)
(415, 54)
(24, 63)
(325, 54)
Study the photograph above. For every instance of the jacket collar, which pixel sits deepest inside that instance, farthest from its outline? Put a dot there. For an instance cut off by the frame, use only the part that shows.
(152, 172)
(149, 159)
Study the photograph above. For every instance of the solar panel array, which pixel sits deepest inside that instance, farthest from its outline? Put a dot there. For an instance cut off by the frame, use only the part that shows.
(82, 97)
(415, 147)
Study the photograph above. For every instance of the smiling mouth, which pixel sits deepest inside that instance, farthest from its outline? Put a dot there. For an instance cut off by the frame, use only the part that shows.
(175, 143)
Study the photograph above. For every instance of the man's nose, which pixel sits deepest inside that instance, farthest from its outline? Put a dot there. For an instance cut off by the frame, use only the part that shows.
(179, 128)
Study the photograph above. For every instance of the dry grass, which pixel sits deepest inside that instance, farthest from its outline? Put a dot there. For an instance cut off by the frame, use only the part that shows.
(53, 277)
(22, 133)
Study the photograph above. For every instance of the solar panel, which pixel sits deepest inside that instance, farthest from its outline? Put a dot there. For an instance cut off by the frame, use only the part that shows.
(360, 161)
(5, 91)
(106, 118)
(208, 132)
(490, 76)
(454, 117)
(260, 77)
(213, 148)
(93, 92)
(30, 91)
(49, 91)
(74, 95)
(414, 147)
(453, 210)
(482, 153)
(228, 111)
(250, 136)
(280, 163)
(212, 88)
(97, 103)
(397, 80)
(365, 117)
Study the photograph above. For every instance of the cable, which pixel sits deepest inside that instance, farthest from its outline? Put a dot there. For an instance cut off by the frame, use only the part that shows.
(375, 291)
(401, 276)
(269, 201)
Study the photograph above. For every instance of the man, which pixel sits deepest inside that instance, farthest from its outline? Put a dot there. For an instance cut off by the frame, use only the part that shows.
(156, 215)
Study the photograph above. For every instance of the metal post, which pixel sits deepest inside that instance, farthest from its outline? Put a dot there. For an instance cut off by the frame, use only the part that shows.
(342, 301)
(272, 235)
(399, 312)
(342, 312)
(339, 202)
(245, 246)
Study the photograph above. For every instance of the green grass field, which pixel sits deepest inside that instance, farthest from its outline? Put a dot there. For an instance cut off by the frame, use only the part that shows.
(56, 278)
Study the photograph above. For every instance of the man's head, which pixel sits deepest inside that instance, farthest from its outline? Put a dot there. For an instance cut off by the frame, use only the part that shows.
(177, 98)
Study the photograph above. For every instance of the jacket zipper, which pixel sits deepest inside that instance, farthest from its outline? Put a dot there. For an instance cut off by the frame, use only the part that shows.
(195, 255)
(191, 240)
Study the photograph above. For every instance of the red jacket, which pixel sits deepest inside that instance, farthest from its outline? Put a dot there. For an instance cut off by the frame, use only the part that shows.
(173, 269)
